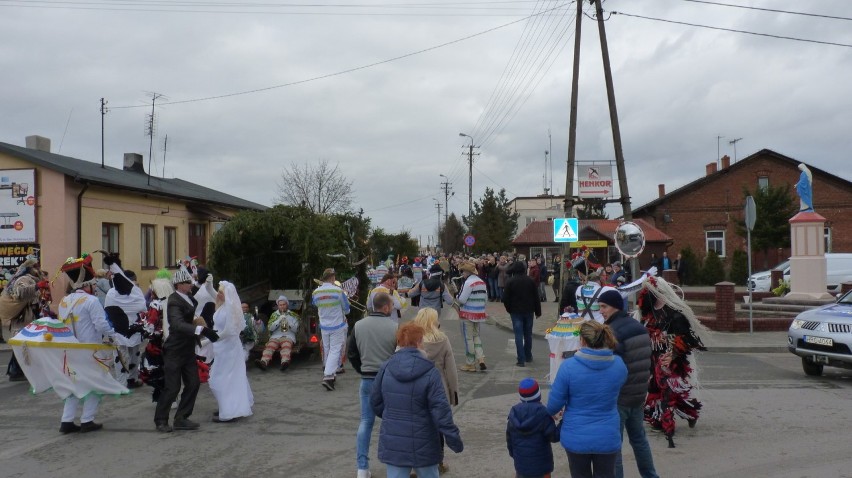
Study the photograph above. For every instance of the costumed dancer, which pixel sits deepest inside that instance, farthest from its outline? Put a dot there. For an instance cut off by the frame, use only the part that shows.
(472, 299)
(206, 297)
(228, 380)
(16, 306)
(250, 333)
(671, 325)
(388, 286)
(332, 306)
(179, 362)
(156, 327)
(124, 304)
(283, 325)
(82, 312)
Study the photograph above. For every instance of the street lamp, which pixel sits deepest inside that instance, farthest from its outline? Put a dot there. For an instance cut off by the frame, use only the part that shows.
(469, 176)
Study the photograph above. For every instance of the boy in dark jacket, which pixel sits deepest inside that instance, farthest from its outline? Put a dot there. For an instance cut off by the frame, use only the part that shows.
(529, 432)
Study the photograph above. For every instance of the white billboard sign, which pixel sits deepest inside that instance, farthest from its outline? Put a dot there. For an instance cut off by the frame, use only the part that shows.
(17, 206)
(595, 181)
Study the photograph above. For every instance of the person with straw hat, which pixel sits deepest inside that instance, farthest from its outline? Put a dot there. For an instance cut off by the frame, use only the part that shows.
(472, 299)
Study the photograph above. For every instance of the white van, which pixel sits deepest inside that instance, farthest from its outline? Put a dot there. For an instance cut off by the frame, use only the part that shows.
(838, 268)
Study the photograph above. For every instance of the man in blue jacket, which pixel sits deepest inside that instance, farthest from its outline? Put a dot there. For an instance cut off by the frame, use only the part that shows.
(634, 348)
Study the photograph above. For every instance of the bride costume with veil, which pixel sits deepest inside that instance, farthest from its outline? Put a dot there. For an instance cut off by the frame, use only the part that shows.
(228, 380)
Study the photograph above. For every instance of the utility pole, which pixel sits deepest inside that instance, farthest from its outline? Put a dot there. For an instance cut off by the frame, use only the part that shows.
(572, 142)
(470, 156)
(616, 131)
(150, 131)
(447, 186)
(438, 207)
(734, 142)
(103, 113)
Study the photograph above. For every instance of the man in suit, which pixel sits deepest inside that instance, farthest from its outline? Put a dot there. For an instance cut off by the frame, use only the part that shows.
(179, 356)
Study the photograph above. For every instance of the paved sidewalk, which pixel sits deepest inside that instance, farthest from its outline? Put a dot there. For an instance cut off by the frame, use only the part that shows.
(720, 342)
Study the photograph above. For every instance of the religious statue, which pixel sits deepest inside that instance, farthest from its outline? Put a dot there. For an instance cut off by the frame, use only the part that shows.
(804, 188)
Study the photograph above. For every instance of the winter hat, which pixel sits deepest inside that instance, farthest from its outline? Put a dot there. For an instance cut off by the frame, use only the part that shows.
(529, 391)
(612, 298)
(467, 267)
(281, 298)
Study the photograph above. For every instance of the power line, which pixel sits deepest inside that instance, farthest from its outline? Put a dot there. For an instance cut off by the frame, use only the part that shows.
(781, 37)
(342, 72)
(832, 17)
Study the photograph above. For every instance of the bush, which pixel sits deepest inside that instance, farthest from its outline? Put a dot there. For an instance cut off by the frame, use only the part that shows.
(713, 271)
(739, 267)
(693, 266)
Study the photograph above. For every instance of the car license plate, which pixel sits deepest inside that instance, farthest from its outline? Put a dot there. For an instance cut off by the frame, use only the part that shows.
(819, 340)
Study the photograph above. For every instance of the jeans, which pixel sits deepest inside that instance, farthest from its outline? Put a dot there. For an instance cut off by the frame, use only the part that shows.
(591, 465)
(405, 471)
(492, 288)
(365, 428)
(522, 324)
(632, 418)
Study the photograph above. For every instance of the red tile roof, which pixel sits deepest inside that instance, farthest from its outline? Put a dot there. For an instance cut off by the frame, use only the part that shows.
(541, 232)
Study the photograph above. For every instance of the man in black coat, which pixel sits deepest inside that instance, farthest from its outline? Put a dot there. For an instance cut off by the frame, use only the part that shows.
(179, 363)
(521, 299)
(634, 348)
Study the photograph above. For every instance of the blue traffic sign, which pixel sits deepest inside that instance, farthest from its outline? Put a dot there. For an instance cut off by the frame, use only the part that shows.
(469, 240)
(566, 229)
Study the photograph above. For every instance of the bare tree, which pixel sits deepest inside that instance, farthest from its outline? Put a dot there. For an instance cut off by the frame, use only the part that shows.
(318, 186)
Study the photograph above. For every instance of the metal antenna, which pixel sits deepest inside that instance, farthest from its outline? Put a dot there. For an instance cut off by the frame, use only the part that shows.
(734, 142)
(150, 131)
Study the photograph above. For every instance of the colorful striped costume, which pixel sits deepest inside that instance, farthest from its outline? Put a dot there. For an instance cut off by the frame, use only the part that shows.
(332, 307)
(472, 298)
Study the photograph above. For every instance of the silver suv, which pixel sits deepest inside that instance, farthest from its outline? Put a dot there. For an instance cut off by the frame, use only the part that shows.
(823, 336)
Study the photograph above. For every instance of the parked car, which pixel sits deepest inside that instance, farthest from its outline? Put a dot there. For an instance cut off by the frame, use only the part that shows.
(761, 281)
(823, 336)
(838, 268)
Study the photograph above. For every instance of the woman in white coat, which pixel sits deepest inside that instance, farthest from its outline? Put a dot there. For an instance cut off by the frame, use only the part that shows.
(228, 380)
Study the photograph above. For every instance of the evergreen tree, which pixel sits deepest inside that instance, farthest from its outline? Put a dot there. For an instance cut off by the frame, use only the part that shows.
(713, 271)
(383, 245)
(452, 235)
(774, 207)
(493, 222)
(592, 209)
(739, 267)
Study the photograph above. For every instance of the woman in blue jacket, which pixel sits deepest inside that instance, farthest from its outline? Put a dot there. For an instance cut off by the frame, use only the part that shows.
(408, 395)
(587, 387)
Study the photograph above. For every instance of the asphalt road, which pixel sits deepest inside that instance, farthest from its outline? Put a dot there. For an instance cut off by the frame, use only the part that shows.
(762, 417)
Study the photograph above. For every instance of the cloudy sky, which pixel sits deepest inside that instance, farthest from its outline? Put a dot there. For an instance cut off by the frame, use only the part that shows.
(393, 126)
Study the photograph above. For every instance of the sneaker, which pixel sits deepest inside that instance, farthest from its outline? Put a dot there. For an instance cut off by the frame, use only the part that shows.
(284, 366)
(185, 424)
(340, 370)
(520, 364)
(468, 368)
(260, 364)
(90, 427)
(328, 383)
(364, 474)
(68, 427)
(164, 428)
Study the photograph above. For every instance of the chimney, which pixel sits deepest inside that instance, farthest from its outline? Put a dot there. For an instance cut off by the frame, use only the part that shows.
(662, 189)
(726, 161)
(38, 143)
(133, 162)
(711, 168)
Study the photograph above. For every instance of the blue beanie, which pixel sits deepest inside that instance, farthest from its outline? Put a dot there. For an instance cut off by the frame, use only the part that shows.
(529, 391)
(612, 298)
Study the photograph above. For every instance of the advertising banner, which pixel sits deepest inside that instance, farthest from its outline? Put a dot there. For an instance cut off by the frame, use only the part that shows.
(13, 255)
(17, 205)
(595, 181)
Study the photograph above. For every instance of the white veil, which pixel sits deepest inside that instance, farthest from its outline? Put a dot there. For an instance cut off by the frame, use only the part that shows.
(233, 310)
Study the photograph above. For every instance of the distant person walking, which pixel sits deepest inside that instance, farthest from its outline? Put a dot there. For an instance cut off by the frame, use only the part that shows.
(332, 306)
(521, 300)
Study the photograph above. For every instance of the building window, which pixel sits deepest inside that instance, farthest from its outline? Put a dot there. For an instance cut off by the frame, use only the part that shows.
(149, 251)
(170, 246)
(715, 242)
(217, 226)
(763, 182)
(110, 237)
(827, 235)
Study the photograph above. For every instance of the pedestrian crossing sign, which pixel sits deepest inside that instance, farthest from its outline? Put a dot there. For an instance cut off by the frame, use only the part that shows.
(566, 229)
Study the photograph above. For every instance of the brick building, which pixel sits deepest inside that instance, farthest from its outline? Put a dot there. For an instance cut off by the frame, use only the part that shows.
(703, 213)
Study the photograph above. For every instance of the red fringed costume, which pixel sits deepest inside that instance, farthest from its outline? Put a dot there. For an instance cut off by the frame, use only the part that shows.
(672, 341)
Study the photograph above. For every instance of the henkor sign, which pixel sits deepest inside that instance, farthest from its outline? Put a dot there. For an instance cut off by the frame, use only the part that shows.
(595, 181)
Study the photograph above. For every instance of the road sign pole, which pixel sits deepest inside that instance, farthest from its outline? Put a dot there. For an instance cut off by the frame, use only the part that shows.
(750, 219)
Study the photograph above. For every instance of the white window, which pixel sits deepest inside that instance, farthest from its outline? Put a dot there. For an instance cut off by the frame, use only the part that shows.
(715, 242)
(763, 182)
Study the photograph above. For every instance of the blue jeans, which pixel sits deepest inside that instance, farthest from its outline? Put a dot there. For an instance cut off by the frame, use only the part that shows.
(365, 428)
(492, 288)
(405, 471)
(633, 418)
(522, 324)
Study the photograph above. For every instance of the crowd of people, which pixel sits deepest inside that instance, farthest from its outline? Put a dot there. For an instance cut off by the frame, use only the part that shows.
(183, 331)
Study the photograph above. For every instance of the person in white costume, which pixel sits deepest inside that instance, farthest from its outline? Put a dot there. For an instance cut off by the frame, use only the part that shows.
(228, 380)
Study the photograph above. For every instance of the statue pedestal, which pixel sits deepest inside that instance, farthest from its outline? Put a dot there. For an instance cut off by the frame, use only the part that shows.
(807, 261)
